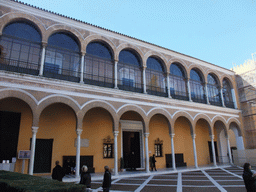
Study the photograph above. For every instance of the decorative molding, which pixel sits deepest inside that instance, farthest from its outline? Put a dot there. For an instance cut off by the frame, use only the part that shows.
(158, 142)
(131, 125)
(108, 140)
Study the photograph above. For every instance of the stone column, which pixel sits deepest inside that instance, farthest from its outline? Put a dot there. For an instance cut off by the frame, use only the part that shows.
(229, 151)
(213, 151)
(206, 93)
(234, 98)
(189, 91)
(78, 145)
(115, 71)
(41, 70)
(194, 147)
(146, 148)
(115, 151)
(222, 98)
(144, 80)
(33, 147)
(168, 85)
(82, 68)
(173, 153)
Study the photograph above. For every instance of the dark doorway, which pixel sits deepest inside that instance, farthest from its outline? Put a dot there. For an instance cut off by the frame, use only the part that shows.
(43, 156)
(131, 149)
(9, 134)
(210, 151)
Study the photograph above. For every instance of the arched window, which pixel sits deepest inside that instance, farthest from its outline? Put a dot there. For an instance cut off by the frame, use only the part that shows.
(99, 65)
(129, 71)
(21, 48)
(62, 57)
(227, 94)
(155, 77)
(214, 94)
(197, 87)
(178, 83)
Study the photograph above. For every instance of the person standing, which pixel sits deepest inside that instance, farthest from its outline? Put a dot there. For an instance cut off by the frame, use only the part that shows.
(58, 172)
(154, 162)
(86, 178)
(249, 178)
(106, 180)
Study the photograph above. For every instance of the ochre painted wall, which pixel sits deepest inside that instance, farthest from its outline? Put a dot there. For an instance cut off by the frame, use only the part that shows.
(202, 138)
(97, 125)
(58, 122)
(25, 133)
(158, 128)
(183, 140)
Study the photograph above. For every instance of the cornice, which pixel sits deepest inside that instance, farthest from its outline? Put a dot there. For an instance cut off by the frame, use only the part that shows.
(110, 94)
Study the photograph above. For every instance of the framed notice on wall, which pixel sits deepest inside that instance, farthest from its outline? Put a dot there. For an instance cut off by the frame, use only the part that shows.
(24, 154)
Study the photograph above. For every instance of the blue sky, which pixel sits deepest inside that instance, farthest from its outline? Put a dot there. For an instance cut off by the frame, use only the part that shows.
(221, 32)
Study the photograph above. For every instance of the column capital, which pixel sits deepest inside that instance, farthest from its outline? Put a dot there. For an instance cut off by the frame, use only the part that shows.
(116, 133)
(34, 129)
(116, 60)
(79, 131)
(82, 53)
(172, 135)
(144, 67)
(146, 135)
(193, 136)
(212, 136)
(44, 44)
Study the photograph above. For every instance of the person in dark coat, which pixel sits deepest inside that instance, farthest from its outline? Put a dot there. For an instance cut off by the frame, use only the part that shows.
(249, 178)
(153, 163)
(58, 172)
(106, 180)
(86, 178)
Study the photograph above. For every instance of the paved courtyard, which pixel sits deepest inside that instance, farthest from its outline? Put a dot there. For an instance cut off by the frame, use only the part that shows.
(225, 178)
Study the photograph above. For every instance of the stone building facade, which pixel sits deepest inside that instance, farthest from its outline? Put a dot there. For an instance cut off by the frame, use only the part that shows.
(70, 89)
(246, 83)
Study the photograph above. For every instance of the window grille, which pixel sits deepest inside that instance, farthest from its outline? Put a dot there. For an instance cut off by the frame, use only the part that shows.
(214, 93)
(98, 71)
(108, 147)
(159, 147)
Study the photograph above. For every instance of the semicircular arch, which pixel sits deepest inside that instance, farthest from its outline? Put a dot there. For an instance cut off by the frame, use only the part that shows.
(237, 124)
(185, 114)
(163, 112)
(127, 46)
(206, 118)
(199, 69)
(158, 56)
(57, 98)
(160, 59)
(98, 38)
(12, 17)
(100, 104)
(228, 78)
(137, 109)
(222, 120)
(24, 96)
(215, 75)
(65, 29)
(181, 64)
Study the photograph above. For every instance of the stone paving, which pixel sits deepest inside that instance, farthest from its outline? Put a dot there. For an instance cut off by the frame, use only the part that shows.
(225, 178)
